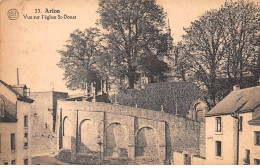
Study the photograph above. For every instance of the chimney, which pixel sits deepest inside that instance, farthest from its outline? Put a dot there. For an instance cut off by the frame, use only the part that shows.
(236, 87)
(18, 76)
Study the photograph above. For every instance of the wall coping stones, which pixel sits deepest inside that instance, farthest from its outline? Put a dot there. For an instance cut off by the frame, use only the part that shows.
(121, 110)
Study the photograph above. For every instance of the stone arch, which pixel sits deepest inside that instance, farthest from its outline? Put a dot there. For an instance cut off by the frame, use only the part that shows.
(116, 140)
(67, 127)
(88, 137)
(67, 132)
(146, 144)
(198, 110)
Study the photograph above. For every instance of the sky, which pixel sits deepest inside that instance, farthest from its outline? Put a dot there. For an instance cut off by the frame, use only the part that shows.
(31, 44)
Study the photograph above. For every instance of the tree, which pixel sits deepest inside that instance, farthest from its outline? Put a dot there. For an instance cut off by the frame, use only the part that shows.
(79, 58)
(221, 48)
(182, 67)
(134, 34)
(240, 36)
(203, 50)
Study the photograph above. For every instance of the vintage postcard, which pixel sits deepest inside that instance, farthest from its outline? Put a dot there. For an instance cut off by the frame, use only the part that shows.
(129, 82)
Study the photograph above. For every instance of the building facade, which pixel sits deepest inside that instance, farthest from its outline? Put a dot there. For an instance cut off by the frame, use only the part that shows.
(15, 107)
(44, 124)
(232, 131)
(232, 135)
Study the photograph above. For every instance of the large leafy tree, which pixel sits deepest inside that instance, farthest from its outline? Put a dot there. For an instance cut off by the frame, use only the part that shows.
(80, 58)
(221, 48)
(134, 34)
(204, 50)
(241, 34)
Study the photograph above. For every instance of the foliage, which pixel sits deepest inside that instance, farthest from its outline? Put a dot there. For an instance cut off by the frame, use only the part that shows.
(134, 34)
(241, 32)
(134, 43)
(204, 49)
(221, 44)
(79, 58)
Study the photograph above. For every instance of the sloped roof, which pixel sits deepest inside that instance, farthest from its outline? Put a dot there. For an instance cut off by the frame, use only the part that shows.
(7, 118)
(240, 100)
(19, 96)
(172, 95)
(19, 86)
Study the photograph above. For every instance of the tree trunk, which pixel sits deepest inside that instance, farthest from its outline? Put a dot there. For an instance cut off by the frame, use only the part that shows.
(131, 79)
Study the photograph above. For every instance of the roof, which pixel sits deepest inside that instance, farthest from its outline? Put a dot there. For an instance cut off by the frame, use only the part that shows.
(243, 100)
(174, 96)
(255, 121)
(8, 118)
(99, 98)
(19, 86)
(19, 96)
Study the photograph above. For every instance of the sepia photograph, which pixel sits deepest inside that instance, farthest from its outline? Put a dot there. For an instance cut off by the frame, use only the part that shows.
(129, 82)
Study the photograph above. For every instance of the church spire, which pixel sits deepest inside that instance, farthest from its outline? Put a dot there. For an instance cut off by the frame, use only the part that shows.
(168, 28)
(169, 39)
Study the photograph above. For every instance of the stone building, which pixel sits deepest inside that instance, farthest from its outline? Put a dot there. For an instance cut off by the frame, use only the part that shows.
(234, 136)
(123, 132)
(15, 107)
(232, 131)
(43, 130)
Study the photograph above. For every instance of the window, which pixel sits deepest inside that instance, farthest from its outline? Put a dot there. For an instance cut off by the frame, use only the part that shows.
(218, 148)
(13, 162)
(25, 121)
(26, 92)
(25, 140)
(218, 124)
(25, 162)
(6, 163)
(257, 161)
(257, 137)
(247, 158)
(240, 123)
(2, 108)
(12, 142)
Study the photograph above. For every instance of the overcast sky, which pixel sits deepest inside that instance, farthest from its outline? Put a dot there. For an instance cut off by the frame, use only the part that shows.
(31, 45)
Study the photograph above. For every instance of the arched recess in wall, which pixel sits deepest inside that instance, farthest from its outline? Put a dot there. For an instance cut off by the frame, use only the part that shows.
(198, 110)
(116, 140)
(88, 137)
(146, 144)
(67, 133)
